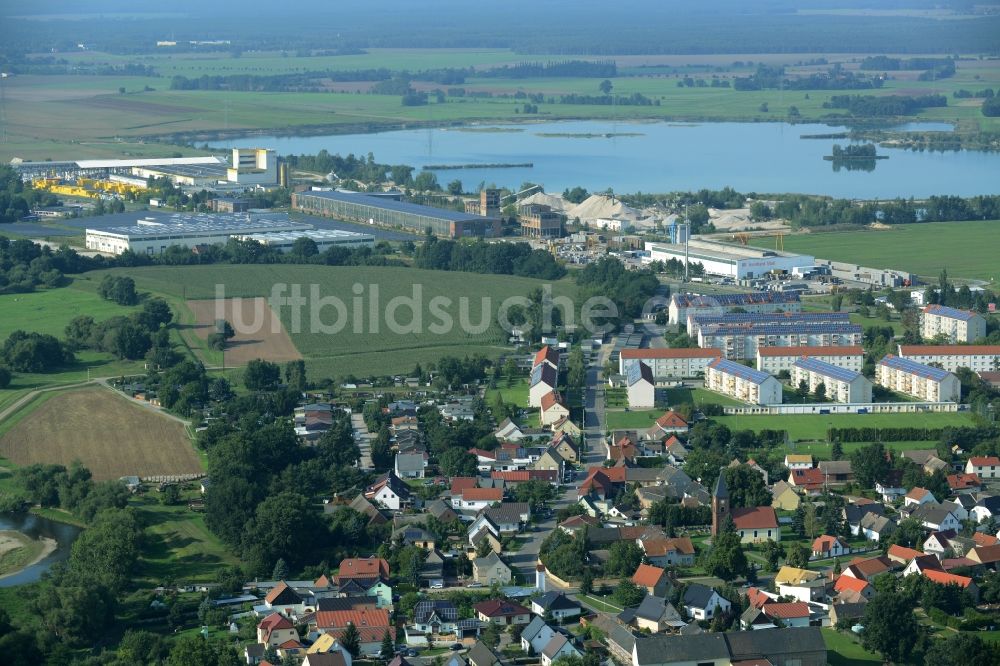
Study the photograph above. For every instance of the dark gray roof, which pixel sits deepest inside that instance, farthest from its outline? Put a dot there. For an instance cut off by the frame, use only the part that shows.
(445, 610)
(657, 609)
(507, 512)
(932, 513)
(482, 655)
(697, 595)
(552, 601)
(721, 489)
(701, 647)
(990, 503)
(775, 643)
(390, 204)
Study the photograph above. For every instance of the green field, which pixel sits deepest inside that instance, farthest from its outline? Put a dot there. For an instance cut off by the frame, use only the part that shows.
(845, 650)
(917, 248)
(49, 310)
(810, 427)
(699, 396)
(57, 116)
(363, 346)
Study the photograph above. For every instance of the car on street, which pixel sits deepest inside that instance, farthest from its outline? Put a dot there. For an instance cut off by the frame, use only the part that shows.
(456, 646)
(474, 584)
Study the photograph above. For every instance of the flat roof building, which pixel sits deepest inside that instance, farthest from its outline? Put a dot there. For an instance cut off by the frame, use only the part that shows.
(776, 359)
(741, 341)
(736, 261)
(367, 209)
(683, 305)
(324, 239)
(696, 321)
(978, 358)
(670, 363)
(840, 384)
(957, 326)
(921, 381)
(153, 236)
(738, 381)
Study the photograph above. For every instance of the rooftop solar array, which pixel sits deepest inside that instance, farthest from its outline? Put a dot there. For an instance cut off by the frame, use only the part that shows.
(638, 370)
(912, 367)
(827, 369)
(203, 223)
(783, 318)
(389, 204)
(953, 313)
(733, 300)
(739, 370)
(781, 329)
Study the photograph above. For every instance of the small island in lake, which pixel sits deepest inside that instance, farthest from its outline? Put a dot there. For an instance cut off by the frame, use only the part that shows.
(855, 157)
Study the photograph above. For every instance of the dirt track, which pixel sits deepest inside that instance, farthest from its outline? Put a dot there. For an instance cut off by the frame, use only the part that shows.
(267, 341)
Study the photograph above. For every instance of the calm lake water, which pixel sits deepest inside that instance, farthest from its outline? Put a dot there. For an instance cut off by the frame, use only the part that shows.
(35, 527)
(661, 157)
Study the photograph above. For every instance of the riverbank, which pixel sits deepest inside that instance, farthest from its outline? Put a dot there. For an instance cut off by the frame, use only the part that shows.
(19, 551)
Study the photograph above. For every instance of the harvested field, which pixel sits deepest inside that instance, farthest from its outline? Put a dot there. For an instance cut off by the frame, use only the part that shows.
(267, 341)
(106, 432)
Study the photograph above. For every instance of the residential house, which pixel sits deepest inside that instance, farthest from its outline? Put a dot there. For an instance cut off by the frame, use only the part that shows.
(669, 423)
(640, 387)
(700, 602)
(964, 483)
(654, 580)
(567, 427)
(854, 587)
(939, 543)
(810, 481)
(508, 431)
(435, 617)
(891, 488)
(847, 613)
(502, 612)
(477, 499)
(918, 496)
(546, 356)
(491, 569)
(986, 508)
(282, 598)
(829, 546)
(414, 535)
(276, 629)
(544, 380)
(676, 453)
(481, 655)
(559, 606)
(869, 568)
(558, 646)
(785, 497)
(800, 584)
(756, 524)
(675, 551)
(985, 467)
(901, 554)
(837, 472)
(441, 510)
(875, 527)
(536, 635)
(936, 517)
(789, 614)
(564, 446)
(551, 460)
(410, 465)
(389, 491)
(552, 408)
(508, 517)
(364, 506)
(371, 625)
(857, 509)
(654, 614)
(795, 461)
(944, 578)
(987, 556)
(432, 571)
(334, 655)
(922, 563)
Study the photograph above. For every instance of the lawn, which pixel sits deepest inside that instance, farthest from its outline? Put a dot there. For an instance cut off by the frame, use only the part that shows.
(917, 248)
(638, 419)
(699, 396)
(49, 310)
(598, 604)
(845, 650)
(513, 394)
(344, 338)
(811, 427)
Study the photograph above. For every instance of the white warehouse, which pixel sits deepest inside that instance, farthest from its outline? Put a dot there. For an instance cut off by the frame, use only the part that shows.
(738, 381)
(324, 239)
(841, 384)
(735, 261)
(925, 382)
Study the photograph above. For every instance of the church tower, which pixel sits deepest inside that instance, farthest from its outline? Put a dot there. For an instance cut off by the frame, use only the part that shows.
(720, 504)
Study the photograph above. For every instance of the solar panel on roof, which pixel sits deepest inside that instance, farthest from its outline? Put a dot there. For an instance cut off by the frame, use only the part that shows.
(912, 367)
(827, 369)
(953, 313)
(784, 318)
(739, 370)
(390, 204)
(776, 329)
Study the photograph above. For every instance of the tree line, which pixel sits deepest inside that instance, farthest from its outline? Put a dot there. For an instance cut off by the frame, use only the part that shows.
(836, 78)
(482, 257)
(885, 105)
(17, 198)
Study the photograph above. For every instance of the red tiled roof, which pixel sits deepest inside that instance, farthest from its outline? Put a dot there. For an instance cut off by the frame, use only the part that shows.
(275, 621)
(756, 518)
(460, 483)
(902, 553)
(550, 400)
(660, 547)
(810, 351)
(786, 611)
(757, 598)
(871, 566)
(811, 478)
(516, 476)
(984, 461)
(917, 493)
(982, 539)
(964, 481)
(825, 543)
(671, 419)
(944, 578)
(948, 350)
(546, 353)
(363, 567)
(671, 353)
(480, 453)
(276, 591)
(290, 644)
(987, 554)
(500, 608)
(482, 494)
(647, 575)
(367, 617)
(850, 583)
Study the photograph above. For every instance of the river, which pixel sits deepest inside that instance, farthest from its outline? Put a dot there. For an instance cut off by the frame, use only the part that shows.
(660, 157)
(36, 527)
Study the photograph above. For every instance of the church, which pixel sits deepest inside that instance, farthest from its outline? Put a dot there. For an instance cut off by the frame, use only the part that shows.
(754, 524)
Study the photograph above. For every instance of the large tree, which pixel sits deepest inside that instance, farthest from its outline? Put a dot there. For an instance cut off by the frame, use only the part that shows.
(624, 558)
(726, 559)
(746, 487)
(870, 465)
(457, 462)
(891, 628)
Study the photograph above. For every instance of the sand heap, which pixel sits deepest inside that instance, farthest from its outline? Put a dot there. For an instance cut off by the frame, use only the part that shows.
(556, 202)
(599, 206)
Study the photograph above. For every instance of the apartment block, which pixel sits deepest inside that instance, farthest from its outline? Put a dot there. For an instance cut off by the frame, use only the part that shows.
(959, 326)
(921, 381)
(773, 360)
(738, 381)
(841, 384)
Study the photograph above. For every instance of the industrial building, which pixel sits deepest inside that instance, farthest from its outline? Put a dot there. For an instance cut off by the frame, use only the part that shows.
(368, 209)
(154, 235)
(958, 326)
(978, 358)
(324, 239)
(879, 277)
(777, 359)
(841, 384)
(739, 262)
(696, 321)
(741, 341)
(924, 382)
(670, 363)
(738, 381)
(539, 221)
(683, 305)
(248, 168)
(639, 386)
(73, 169)
(488, 204)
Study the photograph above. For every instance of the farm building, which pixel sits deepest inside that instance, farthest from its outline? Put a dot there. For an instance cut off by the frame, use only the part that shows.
(956, 325)
(684, 305)
(324, 239)
(696, 321)
(669, 363)
(921, 381)
(382, 211)
(154, 235)
(639, 382)
(842, 385)
(775, 359)
(743, 383)
(735, 261)
(978, 358)
(741, 341)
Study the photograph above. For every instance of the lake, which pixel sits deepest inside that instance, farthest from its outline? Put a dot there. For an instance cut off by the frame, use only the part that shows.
(35, 527)
(660, 157)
